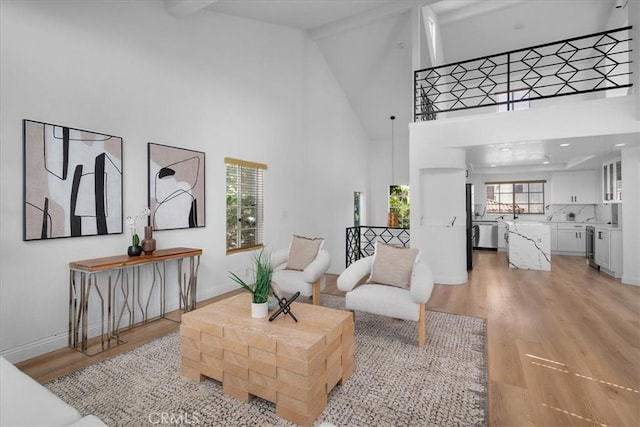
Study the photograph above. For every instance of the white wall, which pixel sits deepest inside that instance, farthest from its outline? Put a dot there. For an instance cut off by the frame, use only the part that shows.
(336, 161)
(438, 196)
(381, 175)
(631, 212)
(213, 83)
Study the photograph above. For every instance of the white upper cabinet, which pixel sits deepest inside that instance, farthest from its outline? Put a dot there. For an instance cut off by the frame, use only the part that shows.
(574, 188)
(612, 181)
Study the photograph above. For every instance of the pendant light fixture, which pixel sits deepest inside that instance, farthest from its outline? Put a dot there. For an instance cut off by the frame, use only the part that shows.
(393, 176)
(392, 218)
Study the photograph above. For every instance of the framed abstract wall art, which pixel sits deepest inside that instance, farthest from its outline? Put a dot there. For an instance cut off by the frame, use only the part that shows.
(176, 187)
(72, 182)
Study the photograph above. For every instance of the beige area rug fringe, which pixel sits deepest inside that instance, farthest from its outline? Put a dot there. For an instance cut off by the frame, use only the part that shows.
(395, 383)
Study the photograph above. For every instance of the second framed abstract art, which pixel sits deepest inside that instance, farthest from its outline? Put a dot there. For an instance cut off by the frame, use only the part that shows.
(175, 187)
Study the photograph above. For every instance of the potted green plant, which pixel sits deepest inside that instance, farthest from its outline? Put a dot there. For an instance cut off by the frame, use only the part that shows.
(262, 284)
(135, 249)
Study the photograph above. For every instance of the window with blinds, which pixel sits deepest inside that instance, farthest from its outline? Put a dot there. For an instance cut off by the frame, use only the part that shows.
(245, 204)
(520, 197)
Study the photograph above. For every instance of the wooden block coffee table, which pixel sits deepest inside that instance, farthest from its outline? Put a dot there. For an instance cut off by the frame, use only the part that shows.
(294, 365)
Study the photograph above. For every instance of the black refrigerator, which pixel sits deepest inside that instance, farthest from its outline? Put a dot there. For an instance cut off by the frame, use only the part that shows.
(471, 231)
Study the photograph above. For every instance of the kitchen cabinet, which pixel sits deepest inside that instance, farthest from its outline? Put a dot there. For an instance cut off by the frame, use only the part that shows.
(574, 188)
(608, 250)
(554, 237)
(571, 238)
(612, 181)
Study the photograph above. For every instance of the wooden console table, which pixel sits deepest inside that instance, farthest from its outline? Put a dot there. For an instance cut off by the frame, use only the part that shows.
(123, 274)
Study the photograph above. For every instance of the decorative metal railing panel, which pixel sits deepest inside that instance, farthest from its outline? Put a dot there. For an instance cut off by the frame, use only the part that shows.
(591, 63)
(361, 240)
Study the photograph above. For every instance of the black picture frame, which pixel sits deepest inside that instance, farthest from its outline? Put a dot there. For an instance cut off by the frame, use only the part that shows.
(72, 182)
(175, 187)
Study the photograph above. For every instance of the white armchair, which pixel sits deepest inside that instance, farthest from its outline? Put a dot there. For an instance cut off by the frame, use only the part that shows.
(385, 300)
(308, 281)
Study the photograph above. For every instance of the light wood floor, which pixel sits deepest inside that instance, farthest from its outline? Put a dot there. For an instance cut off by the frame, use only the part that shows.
(563, 346)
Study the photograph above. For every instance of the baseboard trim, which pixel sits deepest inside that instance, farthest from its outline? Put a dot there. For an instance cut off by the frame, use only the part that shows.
(628, 280)
(60, 339)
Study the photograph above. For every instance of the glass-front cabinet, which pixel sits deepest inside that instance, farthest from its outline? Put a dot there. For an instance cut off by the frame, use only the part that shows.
(612, 181)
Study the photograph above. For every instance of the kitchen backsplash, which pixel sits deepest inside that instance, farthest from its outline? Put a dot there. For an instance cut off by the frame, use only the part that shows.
(580, 213)
(601, 214)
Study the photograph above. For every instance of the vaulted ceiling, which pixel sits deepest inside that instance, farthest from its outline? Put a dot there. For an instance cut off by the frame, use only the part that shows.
(368, 45)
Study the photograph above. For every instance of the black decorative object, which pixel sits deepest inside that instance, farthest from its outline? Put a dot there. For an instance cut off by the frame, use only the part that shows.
(285, 307)
(361, 240)
(134, 250)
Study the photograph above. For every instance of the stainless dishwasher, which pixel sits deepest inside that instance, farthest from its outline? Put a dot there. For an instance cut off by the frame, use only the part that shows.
(487, 235)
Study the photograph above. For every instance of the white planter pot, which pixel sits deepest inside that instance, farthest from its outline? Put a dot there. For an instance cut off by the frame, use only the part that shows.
(259, 310)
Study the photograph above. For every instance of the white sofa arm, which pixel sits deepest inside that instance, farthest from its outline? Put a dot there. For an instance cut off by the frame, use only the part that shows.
(352, 275)
(279, 257)
(318, 267)
(24, 402)
(421, 283)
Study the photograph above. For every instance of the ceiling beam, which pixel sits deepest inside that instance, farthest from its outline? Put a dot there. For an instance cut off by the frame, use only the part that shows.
(182, 8)
(366, 18)
(453, 11)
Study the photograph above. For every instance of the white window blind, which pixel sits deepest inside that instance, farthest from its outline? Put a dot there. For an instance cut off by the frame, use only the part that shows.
(245, 204)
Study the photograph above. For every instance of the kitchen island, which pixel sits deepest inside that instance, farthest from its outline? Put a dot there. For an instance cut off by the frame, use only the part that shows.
(529, 245)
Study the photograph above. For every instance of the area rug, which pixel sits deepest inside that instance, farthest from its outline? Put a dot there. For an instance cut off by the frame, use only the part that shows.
(395, 382)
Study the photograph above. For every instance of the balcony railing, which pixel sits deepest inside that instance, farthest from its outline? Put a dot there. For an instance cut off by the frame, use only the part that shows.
(579, 65)
(361, 240)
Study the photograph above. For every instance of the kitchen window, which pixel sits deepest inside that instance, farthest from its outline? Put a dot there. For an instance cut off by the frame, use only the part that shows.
(518, 197)
(245, 205)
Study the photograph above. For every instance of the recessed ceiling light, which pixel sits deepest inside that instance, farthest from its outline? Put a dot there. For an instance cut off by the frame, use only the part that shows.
(620, 145)
(546, 162)
(505, 149)
(493, 166)
(566, 144)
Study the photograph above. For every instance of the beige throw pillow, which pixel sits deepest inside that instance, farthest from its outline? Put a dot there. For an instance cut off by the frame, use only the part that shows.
(393, 266)
(303, 251)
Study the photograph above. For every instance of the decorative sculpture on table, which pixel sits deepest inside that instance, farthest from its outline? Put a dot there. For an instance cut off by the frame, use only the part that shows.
(285, 307)
(149, 243)
(135, 249)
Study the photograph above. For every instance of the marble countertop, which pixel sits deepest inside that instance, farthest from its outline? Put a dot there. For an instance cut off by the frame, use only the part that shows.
(596, 224)
(601, 225)
(606, 226)
(516, 224)
(529, 245)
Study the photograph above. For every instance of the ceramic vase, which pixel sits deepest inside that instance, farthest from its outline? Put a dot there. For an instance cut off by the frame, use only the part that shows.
(134, 250)
(392, 220)
(259, 310)
(149, 243)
